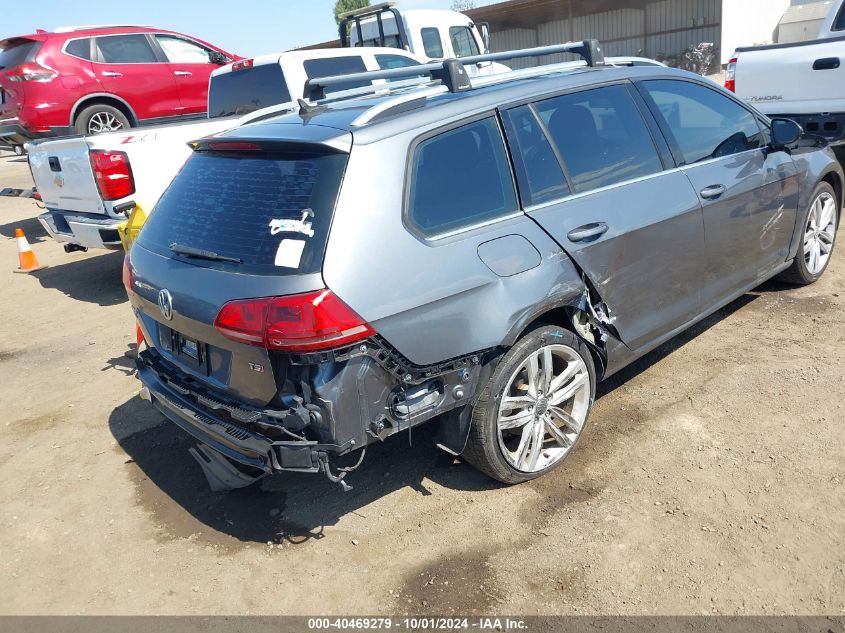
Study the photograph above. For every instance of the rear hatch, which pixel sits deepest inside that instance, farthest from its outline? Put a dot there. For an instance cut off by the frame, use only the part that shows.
(13, 53)
(63, 175)
(237, 223)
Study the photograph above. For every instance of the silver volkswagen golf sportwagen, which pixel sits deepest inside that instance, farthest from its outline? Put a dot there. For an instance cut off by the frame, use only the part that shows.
(477, 252)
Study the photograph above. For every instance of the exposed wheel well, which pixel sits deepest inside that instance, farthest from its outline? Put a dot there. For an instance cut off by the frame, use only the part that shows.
(104, 100)
(562, 317)
(833, 179)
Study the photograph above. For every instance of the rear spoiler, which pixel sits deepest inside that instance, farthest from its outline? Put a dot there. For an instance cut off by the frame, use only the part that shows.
(450, 72)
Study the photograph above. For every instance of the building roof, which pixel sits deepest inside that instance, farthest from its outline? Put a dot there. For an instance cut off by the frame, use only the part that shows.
(529, 13)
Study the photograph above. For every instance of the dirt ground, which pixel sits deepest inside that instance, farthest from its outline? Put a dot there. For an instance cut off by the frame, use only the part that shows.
(710, 480)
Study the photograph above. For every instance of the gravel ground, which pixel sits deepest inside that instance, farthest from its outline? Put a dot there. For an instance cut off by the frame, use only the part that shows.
(710, 480)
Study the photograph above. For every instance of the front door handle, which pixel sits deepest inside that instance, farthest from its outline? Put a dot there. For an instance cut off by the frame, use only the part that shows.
(826, 63)
(109, 73)
(713, 191)
(182, 73)
(587, 232)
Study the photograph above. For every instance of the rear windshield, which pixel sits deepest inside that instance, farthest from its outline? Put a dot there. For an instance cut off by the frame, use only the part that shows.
(244, 91)
(272, 211)
(15, 52)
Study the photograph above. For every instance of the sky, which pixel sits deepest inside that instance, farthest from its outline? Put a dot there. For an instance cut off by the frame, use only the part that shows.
(245, 27)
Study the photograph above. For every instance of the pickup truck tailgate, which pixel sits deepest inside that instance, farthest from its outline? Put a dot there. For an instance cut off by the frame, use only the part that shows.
(63, 176)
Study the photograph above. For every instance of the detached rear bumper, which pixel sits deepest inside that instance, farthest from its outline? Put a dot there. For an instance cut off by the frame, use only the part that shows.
(87, 231)
(235, 441)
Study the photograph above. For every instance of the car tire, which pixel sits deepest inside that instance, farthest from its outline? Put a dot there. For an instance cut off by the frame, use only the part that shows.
(819, 221)
(99, 118)
(499, 444)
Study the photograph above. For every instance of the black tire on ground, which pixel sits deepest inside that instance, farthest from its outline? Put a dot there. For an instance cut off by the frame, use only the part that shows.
(482, 449)
(100, 112)
(798, 273)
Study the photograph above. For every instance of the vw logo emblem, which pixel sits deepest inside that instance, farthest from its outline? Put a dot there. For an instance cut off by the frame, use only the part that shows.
(165, 303)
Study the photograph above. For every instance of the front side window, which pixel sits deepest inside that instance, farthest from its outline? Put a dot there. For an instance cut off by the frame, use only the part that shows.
(601, 137)
(181, 51)
(704, 123)
(463, 43)
(126, 49)
(431, 42)
(461, 178)
(540, 174)
(329, 66)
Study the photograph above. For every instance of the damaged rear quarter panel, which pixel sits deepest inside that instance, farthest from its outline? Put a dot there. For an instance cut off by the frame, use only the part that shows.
(431, 299)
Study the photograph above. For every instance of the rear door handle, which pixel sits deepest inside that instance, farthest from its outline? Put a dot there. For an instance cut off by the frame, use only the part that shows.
(826, 63)
(587, 232)
(109, 73)
(713, 191)
(182, 73)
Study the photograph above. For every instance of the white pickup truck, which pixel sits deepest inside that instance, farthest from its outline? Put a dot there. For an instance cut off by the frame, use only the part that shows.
(803, 81)
(90, 184)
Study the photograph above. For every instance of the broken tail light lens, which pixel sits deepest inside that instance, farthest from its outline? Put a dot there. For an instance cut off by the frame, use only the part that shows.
(112, 173)
(730, 75)
(295, 323)
(31, 71)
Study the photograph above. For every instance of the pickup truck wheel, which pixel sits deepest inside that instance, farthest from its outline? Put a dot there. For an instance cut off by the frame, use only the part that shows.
(820, 222)
(534, 407)
(99, 118)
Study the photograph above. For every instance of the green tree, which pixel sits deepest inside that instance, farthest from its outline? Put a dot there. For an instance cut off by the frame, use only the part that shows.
(342, 6)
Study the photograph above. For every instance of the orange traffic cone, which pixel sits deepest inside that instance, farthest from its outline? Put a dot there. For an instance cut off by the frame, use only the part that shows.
(28, 260)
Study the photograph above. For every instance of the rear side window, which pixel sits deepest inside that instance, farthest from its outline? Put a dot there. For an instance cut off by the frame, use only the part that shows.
(328, 66)
(431, 42)
(395, 61)
(18, 51)
(839, 22)
(704, 123)
(247, 90)
(601, 136)
(272, 211)
(460, 178)
(126, 49)
(463, 43)
(540, 174)
(79, 48)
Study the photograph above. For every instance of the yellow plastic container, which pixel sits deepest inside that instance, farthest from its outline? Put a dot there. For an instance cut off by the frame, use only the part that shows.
(129, 230)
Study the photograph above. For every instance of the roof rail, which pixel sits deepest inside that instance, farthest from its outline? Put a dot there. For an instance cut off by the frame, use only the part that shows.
(70, 29)
(451, 71)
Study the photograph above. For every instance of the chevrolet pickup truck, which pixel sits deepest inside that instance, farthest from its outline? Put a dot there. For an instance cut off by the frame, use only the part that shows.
(803, 81)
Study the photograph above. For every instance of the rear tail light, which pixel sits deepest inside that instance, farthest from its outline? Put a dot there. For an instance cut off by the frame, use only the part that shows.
(31, 71)
(128, 276)
(113, 174)
(295, 323)
(730, 75)
(242, 64)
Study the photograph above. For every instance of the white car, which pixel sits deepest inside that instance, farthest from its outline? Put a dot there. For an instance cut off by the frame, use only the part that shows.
(91, 184)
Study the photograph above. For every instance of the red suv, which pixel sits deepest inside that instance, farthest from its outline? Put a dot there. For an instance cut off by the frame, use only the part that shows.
(96, 79)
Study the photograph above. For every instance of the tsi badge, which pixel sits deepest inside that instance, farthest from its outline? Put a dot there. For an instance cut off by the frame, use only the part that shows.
(165, 303)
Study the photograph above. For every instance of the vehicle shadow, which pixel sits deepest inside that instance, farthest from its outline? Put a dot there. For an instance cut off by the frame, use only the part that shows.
(296, 508)
(92, 280)
(290, 507)
(31, 227)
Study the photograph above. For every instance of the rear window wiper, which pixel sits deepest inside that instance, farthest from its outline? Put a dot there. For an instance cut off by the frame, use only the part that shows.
(190, 251)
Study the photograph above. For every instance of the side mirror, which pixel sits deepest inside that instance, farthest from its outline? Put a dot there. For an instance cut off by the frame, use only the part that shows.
(218, 58)
(785, 132)
(484, 27)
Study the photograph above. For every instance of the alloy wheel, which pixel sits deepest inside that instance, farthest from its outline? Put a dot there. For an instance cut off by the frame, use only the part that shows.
(103, 122)
(544, 408)
(820, 233)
